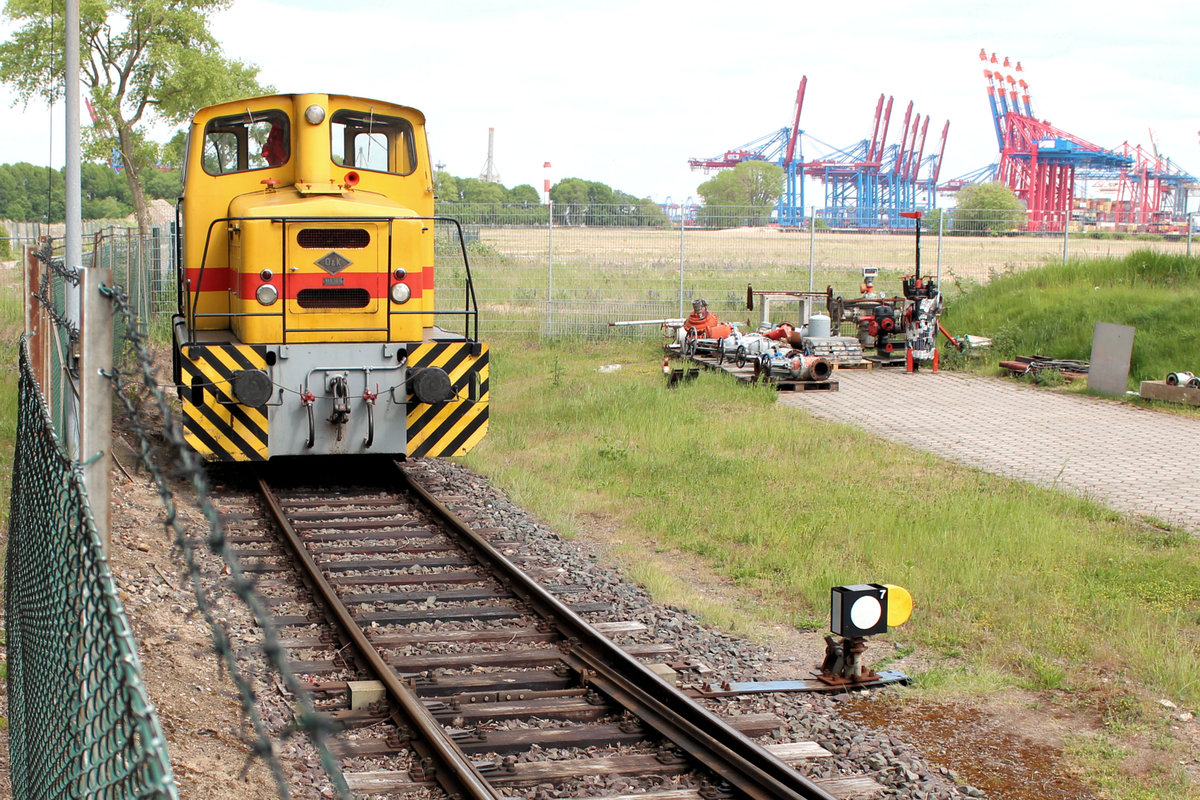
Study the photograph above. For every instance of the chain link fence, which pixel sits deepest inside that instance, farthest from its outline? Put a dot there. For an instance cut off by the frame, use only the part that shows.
(81, 722)
(573, 270)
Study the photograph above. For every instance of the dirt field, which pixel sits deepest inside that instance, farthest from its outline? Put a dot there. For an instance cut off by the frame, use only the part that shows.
(784, 252)
(578, 280)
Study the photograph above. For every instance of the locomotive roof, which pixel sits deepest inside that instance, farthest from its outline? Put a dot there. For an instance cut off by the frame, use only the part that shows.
(218, 108)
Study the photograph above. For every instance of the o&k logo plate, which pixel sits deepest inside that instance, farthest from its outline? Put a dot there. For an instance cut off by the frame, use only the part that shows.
(333, 263)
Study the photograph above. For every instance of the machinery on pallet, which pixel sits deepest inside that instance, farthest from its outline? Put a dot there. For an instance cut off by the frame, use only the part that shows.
(793, 365)
(882, 328)
(739, 348)
(878, 320)
(814, 336)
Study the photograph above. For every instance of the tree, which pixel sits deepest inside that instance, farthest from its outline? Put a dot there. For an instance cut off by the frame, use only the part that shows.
(525, 195)
(743, 195)
(30, 193)
(105, 193)
(164, 183)
(756, 184)
(932, 219)
(142, 60)
(987, 208)
(446, 187)
(475, 190)
(581, 193)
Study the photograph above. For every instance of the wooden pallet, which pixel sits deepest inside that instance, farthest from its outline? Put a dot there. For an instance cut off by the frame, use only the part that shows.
(805, 386)
(864, 364)
(746, 374)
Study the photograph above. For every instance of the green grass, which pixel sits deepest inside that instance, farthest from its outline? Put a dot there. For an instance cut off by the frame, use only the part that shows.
(1026, 586)
(1053, 310)
(1017, 589)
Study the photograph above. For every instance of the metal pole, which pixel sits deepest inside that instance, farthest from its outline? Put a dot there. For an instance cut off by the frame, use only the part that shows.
(812, 244)
(1066, 236)
(682, 226)
(73, 257)
(918, 253)
(1190, 221)
(941, 223)
(550, 270)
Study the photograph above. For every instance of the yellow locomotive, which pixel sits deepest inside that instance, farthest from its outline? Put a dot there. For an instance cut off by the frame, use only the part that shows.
(307, 322)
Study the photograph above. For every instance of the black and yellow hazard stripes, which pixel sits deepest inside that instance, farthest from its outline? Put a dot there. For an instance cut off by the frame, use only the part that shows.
(215, 424)
(452, 428)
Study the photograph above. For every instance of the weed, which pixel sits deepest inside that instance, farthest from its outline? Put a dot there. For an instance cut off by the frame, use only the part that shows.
(1005, 342)
(901, 652)
(1052, 310)
(1044, 377)
(613, 451)
(1043, 673)
(950, 358)
(1122, 711)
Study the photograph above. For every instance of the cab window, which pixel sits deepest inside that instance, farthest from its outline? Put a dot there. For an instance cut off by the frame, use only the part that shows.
(244, 142)
(370, 141)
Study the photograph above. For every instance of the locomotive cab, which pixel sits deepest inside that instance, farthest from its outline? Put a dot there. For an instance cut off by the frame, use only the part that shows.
(307, 319)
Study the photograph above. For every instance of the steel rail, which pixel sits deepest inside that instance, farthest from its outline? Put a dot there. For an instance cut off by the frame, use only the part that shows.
(713, 743)
(459, 776)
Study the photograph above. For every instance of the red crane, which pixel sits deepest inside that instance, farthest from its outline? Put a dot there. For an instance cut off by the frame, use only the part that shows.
(1037, 160)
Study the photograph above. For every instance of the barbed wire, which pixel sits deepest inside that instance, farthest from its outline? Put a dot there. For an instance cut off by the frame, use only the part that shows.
(136, 387)
(45, 293)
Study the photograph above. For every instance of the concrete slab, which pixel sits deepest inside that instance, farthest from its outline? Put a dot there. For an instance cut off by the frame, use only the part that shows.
(1132, 459)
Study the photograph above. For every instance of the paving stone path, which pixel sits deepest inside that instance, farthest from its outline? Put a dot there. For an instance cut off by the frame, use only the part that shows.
(1132, 459)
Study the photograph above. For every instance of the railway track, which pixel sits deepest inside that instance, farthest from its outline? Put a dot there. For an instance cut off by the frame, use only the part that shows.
(453, 672)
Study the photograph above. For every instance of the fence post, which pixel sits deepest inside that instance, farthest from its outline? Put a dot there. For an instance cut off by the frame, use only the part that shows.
(95, 394)
(550, 270)
(812, 244)
(682, 226)
(941, 224)
(1066, 236)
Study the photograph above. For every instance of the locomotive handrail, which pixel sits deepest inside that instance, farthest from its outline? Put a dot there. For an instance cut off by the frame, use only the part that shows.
(471, 306)
(470, 301)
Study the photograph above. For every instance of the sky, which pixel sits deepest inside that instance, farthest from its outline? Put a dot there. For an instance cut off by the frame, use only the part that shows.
(626, 91)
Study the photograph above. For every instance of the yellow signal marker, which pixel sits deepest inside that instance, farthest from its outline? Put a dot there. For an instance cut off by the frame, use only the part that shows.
(899, 605)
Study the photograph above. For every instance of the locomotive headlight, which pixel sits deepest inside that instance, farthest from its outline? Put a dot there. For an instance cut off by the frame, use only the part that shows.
(400, 293)
(314, 114)
(266, 294)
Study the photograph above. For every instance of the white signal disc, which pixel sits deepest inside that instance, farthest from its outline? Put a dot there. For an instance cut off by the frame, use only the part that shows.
(865, 612)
